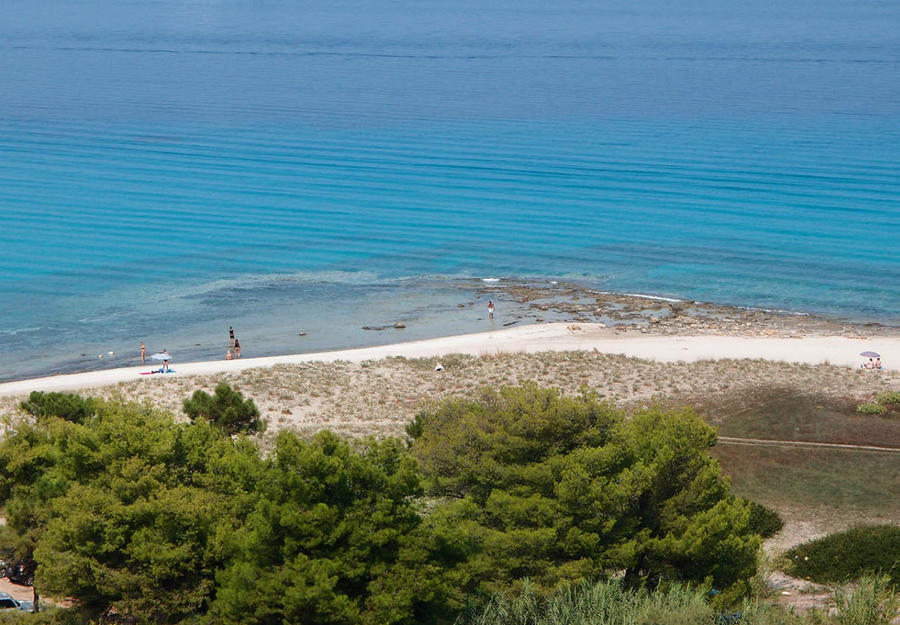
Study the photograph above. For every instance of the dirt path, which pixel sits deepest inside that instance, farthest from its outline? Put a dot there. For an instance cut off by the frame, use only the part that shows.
(777, 443)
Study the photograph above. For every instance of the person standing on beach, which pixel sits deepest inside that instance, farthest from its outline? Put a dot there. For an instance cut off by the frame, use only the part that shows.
(237, 348)
(165, 361)
(490, 309)
(143, 353)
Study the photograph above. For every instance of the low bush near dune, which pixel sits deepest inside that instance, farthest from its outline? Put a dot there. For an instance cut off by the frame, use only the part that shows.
(226, 408)
(764, 521)
(66, 406)
(871, 408)
(891, 398)
(864, 550)
(883, 403)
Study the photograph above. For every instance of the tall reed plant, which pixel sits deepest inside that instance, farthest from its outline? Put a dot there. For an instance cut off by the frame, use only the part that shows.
(871, 601)
(598, 603)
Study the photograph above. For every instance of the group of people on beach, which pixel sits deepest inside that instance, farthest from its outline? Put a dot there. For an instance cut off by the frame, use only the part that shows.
(235, 345)
(873, 364)
(165, 361)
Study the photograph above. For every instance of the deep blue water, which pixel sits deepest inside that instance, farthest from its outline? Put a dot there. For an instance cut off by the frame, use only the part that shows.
(169, 168)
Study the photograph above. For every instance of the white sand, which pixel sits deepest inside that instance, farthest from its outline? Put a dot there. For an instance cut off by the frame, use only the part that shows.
(840, 351)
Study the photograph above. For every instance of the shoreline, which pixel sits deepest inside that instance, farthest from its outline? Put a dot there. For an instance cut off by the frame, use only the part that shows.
(842, 351)
(435, 310)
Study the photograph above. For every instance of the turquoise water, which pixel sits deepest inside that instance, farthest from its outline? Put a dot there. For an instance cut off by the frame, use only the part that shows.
(174, 168)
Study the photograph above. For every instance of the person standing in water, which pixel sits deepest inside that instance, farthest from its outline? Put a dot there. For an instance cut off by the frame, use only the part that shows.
(490, 309)
(231, 336)
(143, 353)
(237, 348)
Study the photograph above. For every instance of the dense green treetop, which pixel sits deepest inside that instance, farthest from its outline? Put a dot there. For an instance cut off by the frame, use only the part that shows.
(225, 408)
(336, 537)
(566, 488)
(127, 508)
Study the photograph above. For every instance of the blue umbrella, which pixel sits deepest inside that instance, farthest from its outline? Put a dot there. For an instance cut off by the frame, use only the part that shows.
(871, 354)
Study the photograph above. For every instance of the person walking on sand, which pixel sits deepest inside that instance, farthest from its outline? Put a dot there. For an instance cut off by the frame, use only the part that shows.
(490, 309)
(237, 348)
(143, 353)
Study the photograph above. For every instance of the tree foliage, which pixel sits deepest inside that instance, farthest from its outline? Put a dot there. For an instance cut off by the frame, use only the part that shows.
(335, 537)
(558, 489)
(226, 408)
(63, 405)
(125, 509)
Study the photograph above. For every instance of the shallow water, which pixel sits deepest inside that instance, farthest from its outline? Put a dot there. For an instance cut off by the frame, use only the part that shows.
(170, 168)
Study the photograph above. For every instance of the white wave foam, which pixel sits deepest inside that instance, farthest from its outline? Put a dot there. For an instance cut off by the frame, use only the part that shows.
(657, 298)
(16, 331)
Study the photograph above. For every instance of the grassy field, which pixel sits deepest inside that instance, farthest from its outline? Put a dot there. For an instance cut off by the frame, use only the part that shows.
(836, 487)
(793, 412)
(831, 485)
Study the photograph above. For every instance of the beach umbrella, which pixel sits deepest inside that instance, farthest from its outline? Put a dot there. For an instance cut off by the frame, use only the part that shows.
(871, 354)
(161, 356)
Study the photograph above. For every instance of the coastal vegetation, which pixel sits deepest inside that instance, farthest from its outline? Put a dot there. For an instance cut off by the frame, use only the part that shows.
(859, 551)
(523, 496)
(133, 513)
(883, 403)
(559, 489)
(68, 406)
(226, 408)
(871, 601)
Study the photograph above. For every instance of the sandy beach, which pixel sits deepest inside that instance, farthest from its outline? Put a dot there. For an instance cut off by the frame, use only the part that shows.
(840, 351)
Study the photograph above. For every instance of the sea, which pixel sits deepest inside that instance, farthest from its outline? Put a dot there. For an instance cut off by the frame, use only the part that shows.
(299, 170)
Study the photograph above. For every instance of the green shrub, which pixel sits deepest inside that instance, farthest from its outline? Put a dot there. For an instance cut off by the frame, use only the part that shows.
(871, 408)
(226, 409)
(849, 555)
(891, 398)
(63, 405)
(764, 521)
